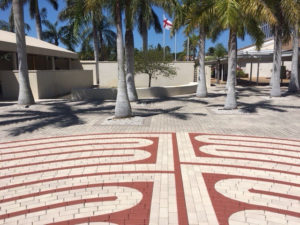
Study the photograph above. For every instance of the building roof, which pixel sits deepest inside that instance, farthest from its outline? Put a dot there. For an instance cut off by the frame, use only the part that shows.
(34, 46)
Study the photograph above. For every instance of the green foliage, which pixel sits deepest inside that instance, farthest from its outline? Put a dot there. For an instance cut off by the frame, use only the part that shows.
(151, 63)
(240, 73)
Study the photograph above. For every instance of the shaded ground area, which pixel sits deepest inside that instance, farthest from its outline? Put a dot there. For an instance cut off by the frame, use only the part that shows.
(261, 114)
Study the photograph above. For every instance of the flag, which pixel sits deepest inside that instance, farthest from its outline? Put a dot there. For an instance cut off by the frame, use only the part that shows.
(167, 24)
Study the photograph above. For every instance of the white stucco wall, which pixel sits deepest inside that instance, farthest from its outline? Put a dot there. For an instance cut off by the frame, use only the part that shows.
(45, 83)
(265, 68)
(109, 75)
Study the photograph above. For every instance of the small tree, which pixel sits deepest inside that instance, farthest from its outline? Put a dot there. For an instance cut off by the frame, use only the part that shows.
(154, 66)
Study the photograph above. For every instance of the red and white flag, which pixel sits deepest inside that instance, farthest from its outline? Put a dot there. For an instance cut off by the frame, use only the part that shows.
(167, 24)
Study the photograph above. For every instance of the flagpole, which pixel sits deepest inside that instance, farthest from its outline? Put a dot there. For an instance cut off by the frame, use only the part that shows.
(175, 47)
(188, 49)
(164, 43)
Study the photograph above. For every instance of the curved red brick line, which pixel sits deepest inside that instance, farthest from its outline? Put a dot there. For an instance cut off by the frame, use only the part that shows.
(253, 159)
(225, 207)
(65, 146)
(57, 205)
(67, 167)
(227, 135)
(84, 135)
(63, 141)
(63, 153)
(83, 175)
(181, 204)
(57, 190)
(66, 160)
(240, 167)
(247, 146)
(259, 153)
(264, 142)
(294, 197)
(139, 214)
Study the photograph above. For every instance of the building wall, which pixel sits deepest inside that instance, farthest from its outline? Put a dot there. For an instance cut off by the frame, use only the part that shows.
(45, 83)
(109, 75)
(265, 68)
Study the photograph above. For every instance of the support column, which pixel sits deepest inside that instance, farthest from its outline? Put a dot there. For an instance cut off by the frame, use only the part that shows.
(251, 70)
(69, 64)
(53, 62)
(222, 72)
(258, 65)
(14, 61)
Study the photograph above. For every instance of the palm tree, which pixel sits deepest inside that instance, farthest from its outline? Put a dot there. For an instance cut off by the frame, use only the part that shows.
(77, 13)
(281, 15)
(33, 10)
(234, 16)
(9, 25)
(193, 44)
(123, 107)
(294, 82)
(146, 18)
(25, 94)
(106, 41)
(219, 52)
(198, 15)
(129, 52)
(52, 34)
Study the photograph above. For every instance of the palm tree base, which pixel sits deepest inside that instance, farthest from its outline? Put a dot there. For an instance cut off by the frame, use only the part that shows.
(275, 93)
(201, 95)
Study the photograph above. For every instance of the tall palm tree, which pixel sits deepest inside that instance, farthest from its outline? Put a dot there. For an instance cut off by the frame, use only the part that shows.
(233, 15)
(219, 52)
(25, 93)
(77, 13)
(34, 12)
(294, 21)
(193, 44)
(129, 52)
(146, 18)
(52, 34)
(281, 15)
(123, 107)
(294, 82)
(198, 14)
(9, 25)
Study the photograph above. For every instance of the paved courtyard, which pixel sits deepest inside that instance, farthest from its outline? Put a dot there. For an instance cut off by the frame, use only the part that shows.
(179, 161)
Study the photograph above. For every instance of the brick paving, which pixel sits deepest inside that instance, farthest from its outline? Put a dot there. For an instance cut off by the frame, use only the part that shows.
(189, 163)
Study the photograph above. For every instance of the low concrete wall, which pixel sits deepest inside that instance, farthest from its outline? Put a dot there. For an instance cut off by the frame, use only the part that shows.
(143, 93)
(109, 75)
(45, 83)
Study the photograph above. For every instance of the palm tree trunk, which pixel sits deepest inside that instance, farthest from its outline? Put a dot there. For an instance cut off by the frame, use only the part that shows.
(96, 51)
(294, 82)
(275, 80)
(145, 36)
(218, 72)
(101, 45)
(230, 102)
(38, 24)
(201, 88)
(25, 94)
(129, 52)
(123, 108)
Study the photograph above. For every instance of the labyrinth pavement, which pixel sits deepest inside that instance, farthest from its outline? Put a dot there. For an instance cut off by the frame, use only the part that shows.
(150, 178)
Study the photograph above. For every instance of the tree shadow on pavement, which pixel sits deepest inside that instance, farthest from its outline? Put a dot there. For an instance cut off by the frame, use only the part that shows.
(173, 112)
(59, 114)
(189, 98)
(253, 107)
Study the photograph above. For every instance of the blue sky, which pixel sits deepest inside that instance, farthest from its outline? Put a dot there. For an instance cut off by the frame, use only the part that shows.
(154, 38)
